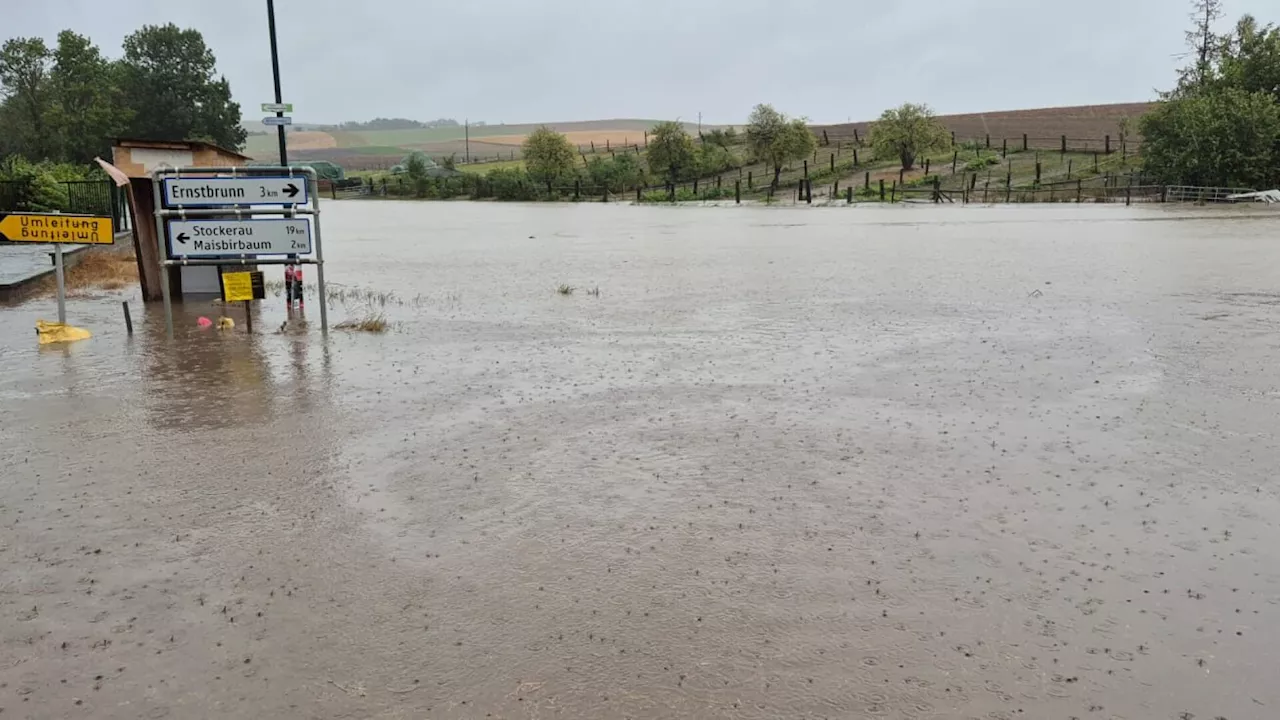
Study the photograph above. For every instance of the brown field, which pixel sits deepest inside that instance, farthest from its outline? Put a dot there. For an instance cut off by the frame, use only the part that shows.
(311, 140)
(581, 137)
(1086, 125)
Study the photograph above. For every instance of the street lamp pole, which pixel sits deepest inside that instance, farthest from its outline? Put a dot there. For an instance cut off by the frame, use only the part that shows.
(275, 71)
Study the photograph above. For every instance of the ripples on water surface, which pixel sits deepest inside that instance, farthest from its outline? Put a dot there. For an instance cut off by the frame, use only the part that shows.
(845, 463)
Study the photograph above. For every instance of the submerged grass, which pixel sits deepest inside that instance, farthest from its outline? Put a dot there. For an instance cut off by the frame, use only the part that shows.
(98, 269)
(566, 289)
(371, 323)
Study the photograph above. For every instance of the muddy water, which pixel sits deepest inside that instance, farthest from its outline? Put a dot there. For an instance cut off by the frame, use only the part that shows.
(805, 463)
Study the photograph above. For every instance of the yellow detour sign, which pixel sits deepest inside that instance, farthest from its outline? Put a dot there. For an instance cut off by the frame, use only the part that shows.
(241, 286)
(55, 228)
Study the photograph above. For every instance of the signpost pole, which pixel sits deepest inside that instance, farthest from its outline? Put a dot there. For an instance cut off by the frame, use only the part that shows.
(324, 303)
(158, 192)
(275, 71)
(62, 283)
(248, 317)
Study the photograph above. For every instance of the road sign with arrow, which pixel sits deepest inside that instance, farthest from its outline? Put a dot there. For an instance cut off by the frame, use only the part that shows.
(224, 237)
(198, 192)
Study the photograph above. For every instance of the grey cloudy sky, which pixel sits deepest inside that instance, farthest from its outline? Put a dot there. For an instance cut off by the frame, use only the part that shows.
(529, 61)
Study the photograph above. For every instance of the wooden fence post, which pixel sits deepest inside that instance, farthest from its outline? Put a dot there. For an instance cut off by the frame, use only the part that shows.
(1095, 161)
(893, 193)
(637, 194)
(717, 182)
(937, 189)
(835, 188)
(1107, 145)
(953, 138)
(825, 140)
(848, 195)
(737, 191)
(1004, 147)
(750, 181)
(881, 189)
(1024, 142)
(955, 157)
(1070, 163)
(646, 138)
(902, 173)
(593, 147)
(1037, 172)
(606, 144)
(695, 186)
(806, 168)
(855, 156)
(1064, 144)
(988, 141)
(926, 166)
(576, 188)
(856, 139)
(1079, 190)
(833, 162)
(867, 179)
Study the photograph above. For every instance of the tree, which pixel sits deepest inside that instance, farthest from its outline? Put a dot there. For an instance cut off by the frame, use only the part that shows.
(24, 85)
(548, 155)
(671, 151)
(619, 173)
(908, 132)
(1250, 58)
(1202, 41)
(1222, 138)
(88, 108)
(1221, 125)
(169, 80)
(775, 139)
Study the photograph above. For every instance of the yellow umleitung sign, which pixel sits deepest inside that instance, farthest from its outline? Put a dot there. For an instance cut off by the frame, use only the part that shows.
(54, 228)
(237, 286)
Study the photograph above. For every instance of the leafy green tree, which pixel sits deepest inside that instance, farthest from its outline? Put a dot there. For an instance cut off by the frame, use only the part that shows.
(671, 152)
(169, 80)
(88, 107)
(907, 132)
(619, 173)
(775, 139)
(1220, 138)
(1250, 58)
(24, 87)
(548, 155)
(1221, 125)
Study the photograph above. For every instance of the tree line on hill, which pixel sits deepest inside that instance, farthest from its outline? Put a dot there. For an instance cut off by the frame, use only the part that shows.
(398, 124)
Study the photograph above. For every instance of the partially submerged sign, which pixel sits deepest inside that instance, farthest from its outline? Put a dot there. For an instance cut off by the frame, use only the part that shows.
(243, 286)
(227, 191)
(224, 237)
(56, 228)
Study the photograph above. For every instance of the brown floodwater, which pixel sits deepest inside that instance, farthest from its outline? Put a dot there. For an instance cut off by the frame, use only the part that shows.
(912, 462)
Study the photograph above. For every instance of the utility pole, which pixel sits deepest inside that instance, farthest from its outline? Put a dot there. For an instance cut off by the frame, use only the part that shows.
(699, 123)
(275, 71)
(466, 130)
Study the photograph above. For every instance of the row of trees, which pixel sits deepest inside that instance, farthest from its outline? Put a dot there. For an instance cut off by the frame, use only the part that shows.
(68, 102)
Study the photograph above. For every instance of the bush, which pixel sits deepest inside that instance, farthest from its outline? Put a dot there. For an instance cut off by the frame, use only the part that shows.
(982, 163)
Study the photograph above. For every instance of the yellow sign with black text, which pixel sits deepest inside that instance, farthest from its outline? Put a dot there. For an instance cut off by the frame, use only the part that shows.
(242, 286)
(56, 228)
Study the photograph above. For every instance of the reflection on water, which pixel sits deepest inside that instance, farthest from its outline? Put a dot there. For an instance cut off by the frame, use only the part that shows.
(845, 462)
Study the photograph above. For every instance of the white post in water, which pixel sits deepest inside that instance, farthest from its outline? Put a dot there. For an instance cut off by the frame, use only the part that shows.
(62, 283)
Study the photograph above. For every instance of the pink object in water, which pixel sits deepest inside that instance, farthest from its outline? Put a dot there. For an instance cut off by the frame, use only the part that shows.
(204, 322)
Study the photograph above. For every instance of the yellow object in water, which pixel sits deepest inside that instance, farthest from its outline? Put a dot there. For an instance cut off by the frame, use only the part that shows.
(52, 332)
(226, 323)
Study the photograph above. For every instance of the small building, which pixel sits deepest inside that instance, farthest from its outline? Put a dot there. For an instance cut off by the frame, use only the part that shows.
(137, 159)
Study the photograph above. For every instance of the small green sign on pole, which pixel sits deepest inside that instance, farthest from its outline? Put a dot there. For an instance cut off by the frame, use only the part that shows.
(277, 107)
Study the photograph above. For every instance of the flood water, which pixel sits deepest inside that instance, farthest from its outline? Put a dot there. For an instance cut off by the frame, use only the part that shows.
(993, 463)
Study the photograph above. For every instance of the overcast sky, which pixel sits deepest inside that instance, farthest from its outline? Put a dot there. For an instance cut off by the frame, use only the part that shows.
(556, 60)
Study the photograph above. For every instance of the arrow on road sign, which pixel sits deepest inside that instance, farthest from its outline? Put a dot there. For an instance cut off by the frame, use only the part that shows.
(182, 238)
(291, 190)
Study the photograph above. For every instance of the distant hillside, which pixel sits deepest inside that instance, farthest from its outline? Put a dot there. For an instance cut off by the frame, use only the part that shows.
(380, 149)
(1043, 126)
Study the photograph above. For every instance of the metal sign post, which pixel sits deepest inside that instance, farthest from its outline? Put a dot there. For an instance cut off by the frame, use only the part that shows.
(62, 283)
(237, 216)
